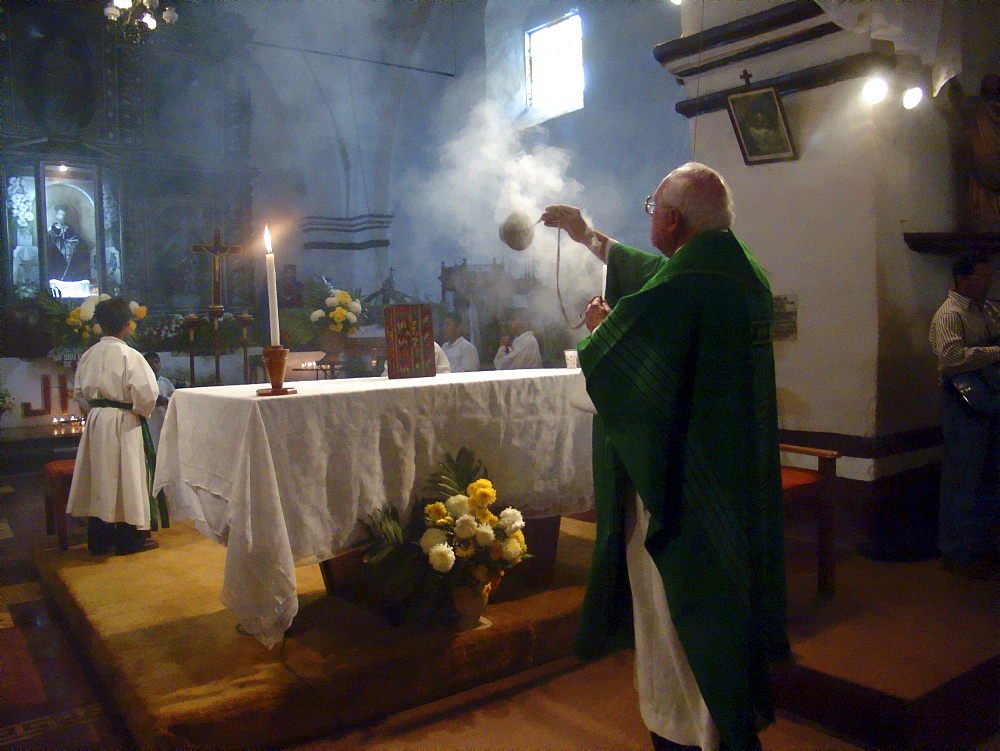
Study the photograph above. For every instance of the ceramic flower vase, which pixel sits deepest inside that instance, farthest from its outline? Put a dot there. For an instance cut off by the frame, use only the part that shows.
(333, 343)
(470, 604)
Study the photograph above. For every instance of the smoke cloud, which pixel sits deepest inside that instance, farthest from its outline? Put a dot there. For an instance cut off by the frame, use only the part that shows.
(486, 171)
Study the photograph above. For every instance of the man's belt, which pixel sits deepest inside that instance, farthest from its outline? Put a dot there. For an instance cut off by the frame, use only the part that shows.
(110, 403)
(157, 505)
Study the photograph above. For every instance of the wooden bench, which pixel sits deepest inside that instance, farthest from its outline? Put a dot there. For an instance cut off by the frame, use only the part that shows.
(57, 476)
(821, 486)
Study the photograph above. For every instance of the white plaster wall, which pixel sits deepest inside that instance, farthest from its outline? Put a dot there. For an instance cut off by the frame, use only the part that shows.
(916, 194)
(327, 116)
(22, 378)
(811, 224)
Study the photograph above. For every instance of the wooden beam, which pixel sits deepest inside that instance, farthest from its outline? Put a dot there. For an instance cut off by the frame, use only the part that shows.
(824, 74)
(735, 31)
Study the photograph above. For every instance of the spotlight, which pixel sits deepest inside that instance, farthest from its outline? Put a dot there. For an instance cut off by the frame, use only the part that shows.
(912, 97)
(677, 2)
(875, 90)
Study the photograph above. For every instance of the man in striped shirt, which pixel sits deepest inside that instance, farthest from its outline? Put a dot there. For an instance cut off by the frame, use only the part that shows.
(965, 336)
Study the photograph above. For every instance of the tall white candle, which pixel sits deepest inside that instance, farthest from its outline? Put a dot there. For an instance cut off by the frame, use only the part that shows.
(272, 289)
(604, 279)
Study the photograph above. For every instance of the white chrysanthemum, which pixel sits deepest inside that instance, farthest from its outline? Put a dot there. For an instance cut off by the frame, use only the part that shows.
(442, 557)
(134, 307)
(316, 315)
(511, 520)
(351, 317)
(96, 329)
(484, 535)
(330, 302)
(87, 308)
(512, 549)
(432, 537)
(465, 526)
(457, 505)
(354, 306)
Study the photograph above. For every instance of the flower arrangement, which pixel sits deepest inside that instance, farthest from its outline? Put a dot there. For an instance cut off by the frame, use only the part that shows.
(163, 332)
(340, 313)
(20, 205)
(455, 541)
(324, 310)
(167, 332)
(74, 332)
(467, 544)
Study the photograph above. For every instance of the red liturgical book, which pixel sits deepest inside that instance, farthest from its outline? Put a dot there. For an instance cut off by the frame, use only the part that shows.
(409, 339)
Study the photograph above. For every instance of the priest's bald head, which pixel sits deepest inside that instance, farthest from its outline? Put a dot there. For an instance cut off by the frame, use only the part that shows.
(691, 199)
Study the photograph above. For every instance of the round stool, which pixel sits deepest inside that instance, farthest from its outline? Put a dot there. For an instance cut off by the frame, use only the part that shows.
(57, 477)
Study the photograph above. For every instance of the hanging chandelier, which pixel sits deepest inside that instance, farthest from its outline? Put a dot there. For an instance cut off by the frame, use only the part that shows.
(136, 18)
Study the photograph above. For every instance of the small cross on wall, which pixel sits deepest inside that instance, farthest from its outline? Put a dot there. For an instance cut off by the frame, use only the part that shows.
(747, 75)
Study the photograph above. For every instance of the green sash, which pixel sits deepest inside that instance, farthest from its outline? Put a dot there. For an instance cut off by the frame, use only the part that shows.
(157, 504)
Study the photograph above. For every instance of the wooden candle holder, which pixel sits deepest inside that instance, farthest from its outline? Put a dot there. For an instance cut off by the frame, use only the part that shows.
(275, 360)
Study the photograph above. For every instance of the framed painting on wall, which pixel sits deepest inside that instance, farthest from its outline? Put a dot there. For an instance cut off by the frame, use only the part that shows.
(761, 126)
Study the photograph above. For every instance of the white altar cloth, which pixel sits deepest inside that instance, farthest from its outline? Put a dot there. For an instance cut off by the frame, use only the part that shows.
(282, 481)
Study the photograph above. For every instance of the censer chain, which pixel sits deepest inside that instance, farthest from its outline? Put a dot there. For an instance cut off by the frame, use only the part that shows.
(562, 307)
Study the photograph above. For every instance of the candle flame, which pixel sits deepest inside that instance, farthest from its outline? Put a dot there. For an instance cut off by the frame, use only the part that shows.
(267, 239)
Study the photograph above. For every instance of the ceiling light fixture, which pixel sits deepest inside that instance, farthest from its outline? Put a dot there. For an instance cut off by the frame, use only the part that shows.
(136, 18)
(912, 97)
(875, 90)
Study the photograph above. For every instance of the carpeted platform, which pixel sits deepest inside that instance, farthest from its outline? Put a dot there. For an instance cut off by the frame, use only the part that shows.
(903, 656)
(183, 676)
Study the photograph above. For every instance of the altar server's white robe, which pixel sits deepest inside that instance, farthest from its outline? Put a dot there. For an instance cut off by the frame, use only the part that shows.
(109, 479)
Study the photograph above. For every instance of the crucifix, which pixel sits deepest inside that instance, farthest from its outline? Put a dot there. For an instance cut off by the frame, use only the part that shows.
(217, 250)
(747, 75)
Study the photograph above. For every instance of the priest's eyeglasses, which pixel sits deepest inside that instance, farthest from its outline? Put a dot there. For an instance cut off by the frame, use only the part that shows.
(650, 205)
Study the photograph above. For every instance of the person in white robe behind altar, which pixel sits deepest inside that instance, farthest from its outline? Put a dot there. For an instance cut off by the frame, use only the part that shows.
(441, 364)
(117, 390)
(155, 420)
(462, 355)
(519, 349)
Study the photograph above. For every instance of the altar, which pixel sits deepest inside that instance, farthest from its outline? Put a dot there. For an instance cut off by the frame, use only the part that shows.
(283, 481)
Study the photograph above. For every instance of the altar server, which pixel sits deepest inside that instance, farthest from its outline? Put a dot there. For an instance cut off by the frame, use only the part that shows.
(155, 420)
(519, 348)
(461, 354)
(117, 389)
(687, 476)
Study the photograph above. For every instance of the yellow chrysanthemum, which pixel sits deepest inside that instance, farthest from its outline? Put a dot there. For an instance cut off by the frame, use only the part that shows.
(446, 522)
(140, 312)
(352, 331)
(336, 327)
(519, 536)
(435, 511)
(464, 551)
(481, 494)
(85, 335)
(343, 299)
(338, 314)
(73, 321)
(483, 516)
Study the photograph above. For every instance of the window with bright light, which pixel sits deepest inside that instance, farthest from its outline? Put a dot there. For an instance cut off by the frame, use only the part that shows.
(554, 65)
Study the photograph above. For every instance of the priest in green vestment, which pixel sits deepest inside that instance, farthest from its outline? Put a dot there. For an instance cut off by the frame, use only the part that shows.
(689, 557)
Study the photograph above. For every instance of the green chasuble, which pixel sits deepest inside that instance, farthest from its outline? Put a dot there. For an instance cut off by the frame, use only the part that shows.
(682, 375)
